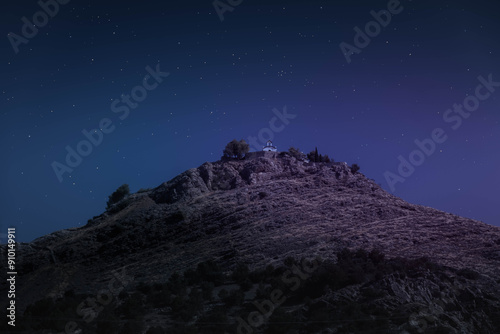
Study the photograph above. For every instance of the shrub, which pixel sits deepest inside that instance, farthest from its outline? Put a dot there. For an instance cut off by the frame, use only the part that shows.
(296, 153)
(119, 194)
(236, 149)
(355, 168)
(314, 156)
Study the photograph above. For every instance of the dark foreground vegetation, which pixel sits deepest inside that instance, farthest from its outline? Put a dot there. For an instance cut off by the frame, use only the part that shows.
(360, 292)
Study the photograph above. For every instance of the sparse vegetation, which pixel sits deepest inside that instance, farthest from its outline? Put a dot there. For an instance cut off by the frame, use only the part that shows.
(236, 149)
(314, 156)
(119, 194)
(296, 153)
(355, 168)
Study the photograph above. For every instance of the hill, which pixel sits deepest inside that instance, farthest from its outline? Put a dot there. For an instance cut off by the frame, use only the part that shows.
(269, 210)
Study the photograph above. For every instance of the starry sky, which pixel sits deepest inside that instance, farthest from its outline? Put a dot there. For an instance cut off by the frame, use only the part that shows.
(161, 87)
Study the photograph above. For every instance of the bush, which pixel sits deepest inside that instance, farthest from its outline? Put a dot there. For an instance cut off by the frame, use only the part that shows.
(296, 153)
(314, 156)
(355, 168)
(236, 149)
(119, 194)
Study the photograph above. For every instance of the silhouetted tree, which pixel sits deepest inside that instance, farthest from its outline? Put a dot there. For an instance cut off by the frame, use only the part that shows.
(311, 157)
(355, 168)
(236, 149)
(314, 156)
(119, 194)
(296, 153)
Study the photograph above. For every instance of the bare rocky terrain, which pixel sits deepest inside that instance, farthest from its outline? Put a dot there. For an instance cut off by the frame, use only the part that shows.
(261, 211)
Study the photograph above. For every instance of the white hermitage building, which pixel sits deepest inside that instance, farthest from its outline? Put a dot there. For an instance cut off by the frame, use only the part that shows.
(269, 147)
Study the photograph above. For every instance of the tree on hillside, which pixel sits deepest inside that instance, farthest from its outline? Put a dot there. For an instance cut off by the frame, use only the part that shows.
(355, 168)
(236, 149)
(119, 194)
(296, 153)
(314, 156)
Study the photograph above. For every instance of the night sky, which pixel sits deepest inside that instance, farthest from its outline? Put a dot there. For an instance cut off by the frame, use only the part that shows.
(167, 84)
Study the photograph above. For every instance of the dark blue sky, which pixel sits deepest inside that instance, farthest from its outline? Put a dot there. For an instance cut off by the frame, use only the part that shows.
(225, 79)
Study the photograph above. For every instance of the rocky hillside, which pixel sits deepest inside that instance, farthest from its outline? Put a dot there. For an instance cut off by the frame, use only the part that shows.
(259, 212)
